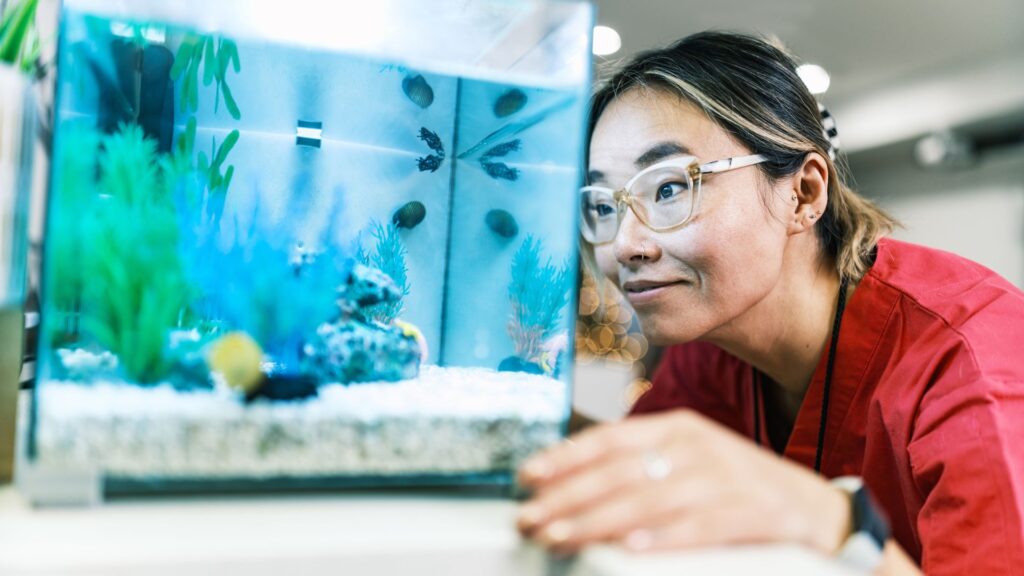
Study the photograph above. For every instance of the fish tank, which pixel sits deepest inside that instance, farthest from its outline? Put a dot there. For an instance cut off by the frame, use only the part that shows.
(300, 245)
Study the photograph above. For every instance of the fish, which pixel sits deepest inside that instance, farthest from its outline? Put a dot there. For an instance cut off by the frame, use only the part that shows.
(503, 149)
(502, 223)
(500, 171)
(409, 215)
(432, 139)
(433, 161)
(428, 163)
(238, 359)
(513, 128)
(509, 103)
(418, 91)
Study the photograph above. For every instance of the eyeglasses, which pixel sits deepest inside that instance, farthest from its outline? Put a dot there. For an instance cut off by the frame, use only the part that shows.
(663, 196)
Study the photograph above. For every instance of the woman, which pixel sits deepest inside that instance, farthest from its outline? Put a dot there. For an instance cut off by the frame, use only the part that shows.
(797, 329)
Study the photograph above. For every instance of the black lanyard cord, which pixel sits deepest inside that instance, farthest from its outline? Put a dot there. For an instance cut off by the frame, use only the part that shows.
(836, 322)
(829, 366)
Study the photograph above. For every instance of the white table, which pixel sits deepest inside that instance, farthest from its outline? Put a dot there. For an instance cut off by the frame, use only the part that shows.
(334, 534)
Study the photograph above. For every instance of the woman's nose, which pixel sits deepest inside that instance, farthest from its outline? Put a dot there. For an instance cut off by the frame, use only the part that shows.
(633, 243)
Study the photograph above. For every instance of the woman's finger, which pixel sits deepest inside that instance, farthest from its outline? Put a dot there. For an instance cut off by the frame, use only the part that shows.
(587, 487)
(597, 443)
(703, 527)
(650, 506)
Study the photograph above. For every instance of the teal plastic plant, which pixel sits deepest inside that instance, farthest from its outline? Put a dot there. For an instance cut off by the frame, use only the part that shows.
(388, 256)
(538, 293)
(134, 290)
(76, 160)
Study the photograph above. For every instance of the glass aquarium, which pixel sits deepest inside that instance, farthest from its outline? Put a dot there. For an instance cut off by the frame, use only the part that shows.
(308, 244)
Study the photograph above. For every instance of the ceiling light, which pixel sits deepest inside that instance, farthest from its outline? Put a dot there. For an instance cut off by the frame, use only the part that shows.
(815, 78)
(606, 41)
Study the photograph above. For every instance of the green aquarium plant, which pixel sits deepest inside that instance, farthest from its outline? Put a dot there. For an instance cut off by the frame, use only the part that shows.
(132, 279)
(77, 164)
(388, 256)
(213, 57)
(19, 42)
(538, 292)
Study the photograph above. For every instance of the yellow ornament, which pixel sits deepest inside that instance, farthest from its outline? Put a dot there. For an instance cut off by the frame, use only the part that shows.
(411, 331)
(237, 357)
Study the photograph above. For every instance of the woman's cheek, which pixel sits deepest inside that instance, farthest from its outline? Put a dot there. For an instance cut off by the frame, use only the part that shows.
(607, 263)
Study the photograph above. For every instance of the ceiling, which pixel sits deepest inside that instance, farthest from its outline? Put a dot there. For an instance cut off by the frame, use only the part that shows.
(898, 67)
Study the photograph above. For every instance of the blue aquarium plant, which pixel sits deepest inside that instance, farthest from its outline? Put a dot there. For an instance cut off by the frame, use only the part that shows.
(538, 292)
(388, 256)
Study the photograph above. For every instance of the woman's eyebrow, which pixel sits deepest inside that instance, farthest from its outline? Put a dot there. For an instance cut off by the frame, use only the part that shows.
(595, 176)
(660, 151)
(654, 154)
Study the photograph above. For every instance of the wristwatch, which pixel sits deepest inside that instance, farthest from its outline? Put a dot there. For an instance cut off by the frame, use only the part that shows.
(862, 549)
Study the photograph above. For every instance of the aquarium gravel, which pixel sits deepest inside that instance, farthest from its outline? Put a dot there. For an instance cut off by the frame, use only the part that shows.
(450, 420)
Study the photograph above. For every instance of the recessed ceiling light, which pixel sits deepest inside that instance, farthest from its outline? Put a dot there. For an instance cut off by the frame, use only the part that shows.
(606, 41)
(815, 78)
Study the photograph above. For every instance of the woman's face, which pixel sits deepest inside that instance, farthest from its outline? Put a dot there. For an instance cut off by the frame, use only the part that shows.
(695, 281)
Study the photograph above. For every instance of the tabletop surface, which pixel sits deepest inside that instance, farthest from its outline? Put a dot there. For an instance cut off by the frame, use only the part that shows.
(364, 533)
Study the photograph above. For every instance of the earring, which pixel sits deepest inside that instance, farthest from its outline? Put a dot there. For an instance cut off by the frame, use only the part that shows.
(793, 199)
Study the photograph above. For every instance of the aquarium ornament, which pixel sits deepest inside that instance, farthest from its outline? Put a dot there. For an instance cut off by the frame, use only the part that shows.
(309, 133)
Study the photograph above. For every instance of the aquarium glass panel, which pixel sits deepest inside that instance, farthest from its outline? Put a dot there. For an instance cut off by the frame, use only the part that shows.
(310, 243)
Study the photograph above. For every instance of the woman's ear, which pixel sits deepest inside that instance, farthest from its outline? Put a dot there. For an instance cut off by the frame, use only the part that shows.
(808, 193)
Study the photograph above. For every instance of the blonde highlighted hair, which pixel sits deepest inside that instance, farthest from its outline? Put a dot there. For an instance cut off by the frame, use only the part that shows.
(749, 86)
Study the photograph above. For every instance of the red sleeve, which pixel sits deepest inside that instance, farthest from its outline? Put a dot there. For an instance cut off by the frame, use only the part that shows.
(967, 456)
(704, 378)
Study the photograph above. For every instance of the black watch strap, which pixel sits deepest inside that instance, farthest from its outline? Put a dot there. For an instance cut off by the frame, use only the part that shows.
(869, 531)
(868, 516)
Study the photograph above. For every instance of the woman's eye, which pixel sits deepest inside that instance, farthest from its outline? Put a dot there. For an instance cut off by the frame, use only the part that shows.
(604, 209)
(669, 190)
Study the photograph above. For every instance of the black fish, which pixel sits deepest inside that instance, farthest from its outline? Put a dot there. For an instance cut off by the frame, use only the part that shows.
(500, 171)
(502, 149)
(418, 91)
(509, 103)
(502, 223)
(428, 163)
(409, 215)
(432, 162)
(432, 140)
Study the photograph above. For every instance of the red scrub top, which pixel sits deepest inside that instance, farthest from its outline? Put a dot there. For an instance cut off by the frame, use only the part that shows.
(926, 404)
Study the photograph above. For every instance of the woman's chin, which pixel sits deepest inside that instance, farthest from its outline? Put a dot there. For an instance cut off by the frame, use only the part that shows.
(661, 333)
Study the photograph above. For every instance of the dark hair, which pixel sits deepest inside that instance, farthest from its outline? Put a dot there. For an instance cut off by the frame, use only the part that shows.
(749, 86)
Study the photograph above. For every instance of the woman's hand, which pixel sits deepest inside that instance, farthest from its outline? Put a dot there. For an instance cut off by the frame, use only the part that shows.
(675, 480)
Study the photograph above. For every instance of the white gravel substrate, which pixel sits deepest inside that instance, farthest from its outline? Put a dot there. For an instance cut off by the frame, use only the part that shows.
(449, 420)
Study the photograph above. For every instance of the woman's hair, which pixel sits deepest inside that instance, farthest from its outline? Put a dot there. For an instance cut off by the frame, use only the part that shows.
(749, 87)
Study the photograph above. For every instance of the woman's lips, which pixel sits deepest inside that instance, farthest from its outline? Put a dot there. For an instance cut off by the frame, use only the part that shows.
(642, 292)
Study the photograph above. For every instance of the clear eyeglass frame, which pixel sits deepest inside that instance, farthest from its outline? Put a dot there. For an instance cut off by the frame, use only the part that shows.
(678, 170)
